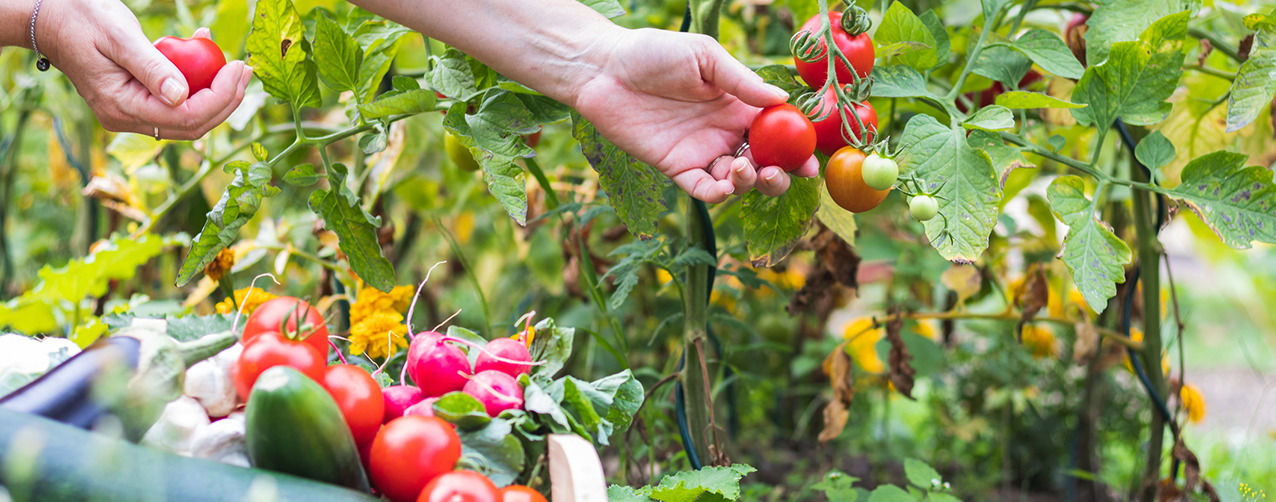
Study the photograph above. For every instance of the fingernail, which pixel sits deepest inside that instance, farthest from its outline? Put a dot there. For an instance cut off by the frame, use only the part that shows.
(172, 91)
(778, 92)
(740, 166)
(771, 179)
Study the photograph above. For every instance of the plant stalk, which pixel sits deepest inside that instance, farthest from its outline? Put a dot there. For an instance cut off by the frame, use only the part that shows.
(1149, 250)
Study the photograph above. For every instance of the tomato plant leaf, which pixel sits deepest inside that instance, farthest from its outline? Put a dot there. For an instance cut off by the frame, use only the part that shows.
(1093, 254)
(943, 46)
(493, 451)
(773, 225)
(452, 76)
(900, 24)
(991, 118)
(1254, 87)
(1121, 21)
(840, 222)
(1132, 85)
(1155, 151)
(237, 205)
(356, 229)
(303, 175)
(964, 179)
(702, 484)
(634, 189)
(1003, 64)
(608, 8)
(1237, 201)
(992, 8)
(1004, 158)
(408, 102)
(899, 81)
(337, 55)
(276, 53)
(1050, 52)
(543, 109)
(491, 134)
(379, 40)
(921, 474)
(1018, 100)
(891, 493)
(625, 271)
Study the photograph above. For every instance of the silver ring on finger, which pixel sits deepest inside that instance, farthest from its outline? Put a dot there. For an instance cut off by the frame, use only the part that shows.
(157, 138)
(709, 168)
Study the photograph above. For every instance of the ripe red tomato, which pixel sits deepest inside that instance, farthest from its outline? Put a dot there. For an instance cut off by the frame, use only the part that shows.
(359, 398)
(460, 486)
(781, 135)
(409, 453)
(828, 132)
(270, 315)
(858, 50)
(1074, 35)
(533, 139)
(520, 493)
(845, 182)
(199, 59)
(272, 349)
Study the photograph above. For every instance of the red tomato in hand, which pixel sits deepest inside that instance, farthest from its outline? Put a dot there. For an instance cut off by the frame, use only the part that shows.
(857, 49)
(270, 315)
(199, 59)
(359, 398)
(520, 493)
(844, 177)
(272, 349)
(782, 136)
(460, 486)
(828, 132)
(409, 453)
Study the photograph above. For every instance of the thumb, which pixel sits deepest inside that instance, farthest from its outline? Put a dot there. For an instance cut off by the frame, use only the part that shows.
(738, 80)
(150, 67)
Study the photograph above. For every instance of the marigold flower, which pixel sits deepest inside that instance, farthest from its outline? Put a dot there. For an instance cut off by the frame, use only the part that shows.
(862, 346)
(249, 301)
(1193, 401)
(1039, 341)
(372, 300)
(380, 334)
(220, 265)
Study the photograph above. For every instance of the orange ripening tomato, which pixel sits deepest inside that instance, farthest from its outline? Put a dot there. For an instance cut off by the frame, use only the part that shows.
(845, 180)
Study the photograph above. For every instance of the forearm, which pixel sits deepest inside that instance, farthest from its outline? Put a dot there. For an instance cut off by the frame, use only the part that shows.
(548, 45)
(15, 23)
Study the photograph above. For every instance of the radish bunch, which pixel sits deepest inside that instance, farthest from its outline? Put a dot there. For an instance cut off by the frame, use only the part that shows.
(438, 365)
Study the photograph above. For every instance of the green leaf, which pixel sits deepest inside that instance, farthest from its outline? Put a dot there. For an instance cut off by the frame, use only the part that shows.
(275, 51)
(1002, 64)
(374, 142)
(1050, 52)
(1254, 87)
(379, 40)
(782, 77)
(491, 134)
(493, 451)
(608, 8)
(694, 256)
(452, 76)
(1021, 100)
(838, 487)
(992, 8)
(238, 204)
(991, 118)
(687, 486)
(900, 24)
(303, 175)
(941, 497)
(464, 410)
(1122, 20)
(890, 493)
(598, 428)
(969, 194)
(634, 189)
(604, 405)
(1132, 85)
(1056, 142)
(840, 221)
(943, 46)
(356, 229)
(886, 52)
(191, 327)
(1093, 254)
(773, 225)
(1261, 21)
(617, 493)
(921, 475)
(337, 55)
(1004, 158)
(410, 102)
(1155, 151)
(899, 81)
(538, 400)
(553, 344)
(1237, 201)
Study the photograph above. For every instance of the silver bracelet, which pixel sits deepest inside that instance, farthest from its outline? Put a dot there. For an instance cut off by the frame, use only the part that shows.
(41, 62)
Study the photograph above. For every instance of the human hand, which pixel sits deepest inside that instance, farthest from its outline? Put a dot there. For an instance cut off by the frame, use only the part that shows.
(681, 103)
(128, 84)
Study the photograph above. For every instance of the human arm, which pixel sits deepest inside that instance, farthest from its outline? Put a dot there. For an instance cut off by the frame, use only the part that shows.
(675, 101)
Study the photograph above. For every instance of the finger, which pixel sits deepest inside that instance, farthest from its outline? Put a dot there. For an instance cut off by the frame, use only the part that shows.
(738, 80)
(234, 105)
(701, 185)
(196, 111)
(772, 181)
(203, 32)
(743, 175)
(810, 169)
(133, 52)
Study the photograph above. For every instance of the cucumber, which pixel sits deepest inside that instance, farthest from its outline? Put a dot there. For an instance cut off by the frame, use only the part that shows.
(47, 461)
(295, 427)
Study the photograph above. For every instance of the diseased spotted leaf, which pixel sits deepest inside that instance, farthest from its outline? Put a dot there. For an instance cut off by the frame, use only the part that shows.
(238, 205)
(1116, 21)
(303, 175)
(1255, 83)
(356, 229)
(773, 225)
(634, 189)
(1050, 52)
(1093, 254)
(487, 133)
(1004, 158)
(278, 57)
(840, 221)
(1237, 201)
(991, 118)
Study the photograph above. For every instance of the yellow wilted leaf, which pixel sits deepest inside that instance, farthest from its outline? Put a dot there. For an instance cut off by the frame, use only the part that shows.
(963, 280)
(134, 150)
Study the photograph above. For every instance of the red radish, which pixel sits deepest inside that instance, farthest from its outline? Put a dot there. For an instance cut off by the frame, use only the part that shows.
(398, 399)
(500, 354)
(437, 367)
(424, 408)
(496, 390)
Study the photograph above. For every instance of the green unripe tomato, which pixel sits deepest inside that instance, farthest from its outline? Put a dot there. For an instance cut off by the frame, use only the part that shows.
(459, 153)
(923, 207)
(880, 172)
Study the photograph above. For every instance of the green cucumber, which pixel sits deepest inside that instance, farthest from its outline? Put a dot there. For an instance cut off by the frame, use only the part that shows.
(295, 427)
(45, 461)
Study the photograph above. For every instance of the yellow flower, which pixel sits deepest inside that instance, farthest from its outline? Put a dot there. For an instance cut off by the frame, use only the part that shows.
(380, 335)
(1136, 335)
(249, 301)
(789, 280)
(1193, 402)
(862, 346)
(1039, 341)
(662, 276)
(217, 268)
(531, 336)
(372, 300)
(926, 329)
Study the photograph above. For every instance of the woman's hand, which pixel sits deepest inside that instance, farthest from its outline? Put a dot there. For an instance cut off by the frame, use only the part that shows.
(681, 103)
(127, 83)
